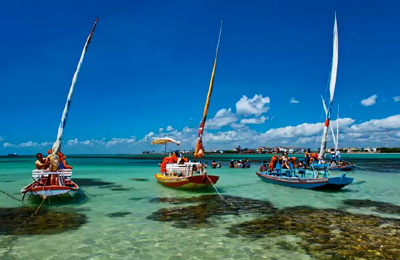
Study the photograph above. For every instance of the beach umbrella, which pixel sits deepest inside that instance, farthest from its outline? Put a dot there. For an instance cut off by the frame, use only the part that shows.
(165, 141)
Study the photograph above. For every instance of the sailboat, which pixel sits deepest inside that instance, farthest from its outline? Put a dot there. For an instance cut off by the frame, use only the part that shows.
(175, 170)
(56, 181)
(338, 164)
(318, 176)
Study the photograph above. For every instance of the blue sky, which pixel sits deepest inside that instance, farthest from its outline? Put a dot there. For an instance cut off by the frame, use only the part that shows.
(149, 63)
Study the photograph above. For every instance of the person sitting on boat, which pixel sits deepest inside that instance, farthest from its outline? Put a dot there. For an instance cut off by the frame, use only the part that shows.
(333, 156)
(238, 164)
(285, 161)
(338, 156)
(41, 163)
(263, 166)
(63, 163)
(272, 163)
(293, 162)
(213, 164)
(219, 165)
(306, 159)
(231, 164)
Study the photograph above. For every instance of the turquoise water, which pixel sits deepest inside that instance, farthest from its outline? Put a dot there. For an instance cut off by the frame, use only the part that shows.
(121, 220)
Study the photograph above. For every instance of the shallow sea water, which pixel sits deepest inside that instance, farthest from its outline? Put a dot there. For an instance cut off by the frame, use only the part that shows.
(118, 213)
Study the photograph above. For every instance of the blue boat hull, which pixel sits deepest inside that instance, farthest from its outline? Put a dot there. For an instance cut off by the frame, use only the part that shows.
(341, 168)
(331, 183)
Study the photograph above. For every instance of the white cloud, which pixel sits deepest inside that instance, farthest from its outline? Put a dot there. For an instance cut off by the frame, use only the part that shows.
(116, 141)
(169, 128)
(369, 101)
(294, 101)
(391, 122)
(7, 145)
(252, 107)
(160, 130)
(223, 117)
(254, 120)
(27, 144)
(396, 98)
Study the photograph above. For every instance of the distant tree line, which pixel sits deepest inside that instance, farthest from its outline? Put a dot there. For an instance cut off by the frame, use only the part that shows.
(389, 149)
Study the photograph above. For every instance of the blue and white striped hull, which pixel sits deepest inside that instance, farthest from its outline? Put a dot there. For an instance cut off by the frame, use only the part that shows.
(307, 183)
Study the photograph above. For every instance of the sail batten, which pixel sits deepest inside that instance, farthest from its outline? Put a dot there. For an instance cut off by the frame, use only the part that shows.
(57, 144)
(332, 85)
(199, 152)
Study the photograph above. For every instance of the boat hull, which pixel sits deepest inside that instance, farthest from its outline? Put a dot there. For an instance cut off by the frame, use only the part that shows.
(190, 183)
(36, 188)
(341, 168)
(330, 183)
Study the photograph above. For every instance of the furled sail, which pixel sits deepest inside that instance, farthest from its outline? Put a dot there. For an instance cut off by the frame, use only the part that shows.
(57, 144)
(199, 152)
(332, 85)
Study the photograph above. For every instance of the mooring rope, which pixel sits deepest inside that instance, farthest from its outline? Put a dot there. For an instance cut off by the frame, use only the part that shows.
(220, 195)
(366, 191)
(9, 195)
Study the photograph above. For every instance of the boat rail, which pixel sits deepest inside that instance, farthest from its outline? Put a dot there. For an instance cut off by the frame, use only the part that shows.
(37, 174)
(186, 169)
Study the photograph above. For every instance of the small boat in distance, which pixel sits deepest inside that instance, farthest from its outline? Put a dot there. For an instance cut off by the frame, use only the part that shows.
(175, 170)
(55, 181)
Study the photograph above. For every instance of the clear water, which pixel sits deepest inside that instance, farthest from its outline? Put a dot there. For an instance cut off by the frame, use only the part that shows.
(133, 236)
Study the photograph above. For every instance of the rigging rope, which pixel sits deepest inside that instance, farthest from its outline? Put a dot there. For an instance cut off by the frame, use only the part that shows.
(9, 195)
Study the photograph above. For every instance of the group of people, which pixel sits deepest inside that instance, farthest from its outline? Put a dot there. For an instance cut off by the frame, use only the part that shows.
(336, 157)
(51, 164)
(240, 164)
(215, 165)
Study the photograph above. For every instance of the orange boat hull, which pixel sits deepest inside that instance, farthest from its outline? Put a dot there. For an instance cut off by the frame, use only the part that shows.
(190, 183)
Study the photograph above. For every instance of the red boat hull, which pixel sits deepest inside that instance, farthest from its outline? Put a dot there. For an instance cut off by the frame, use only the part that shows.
(193, 182)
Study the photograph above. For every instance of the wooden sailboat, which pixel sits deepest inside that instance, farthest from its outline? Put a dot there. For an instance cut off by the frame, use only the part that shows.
(177, 172)
(318, 176)
(56, 181)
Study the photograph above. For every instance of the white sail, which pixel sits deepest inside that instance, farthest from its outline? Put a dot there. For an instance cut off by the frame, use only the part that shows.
(332, 85)
(57, 144)
(335, 59)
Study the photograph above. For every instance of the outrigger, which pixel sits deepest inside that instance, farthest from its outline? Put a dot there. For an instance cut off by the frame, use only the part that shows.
(56, 181)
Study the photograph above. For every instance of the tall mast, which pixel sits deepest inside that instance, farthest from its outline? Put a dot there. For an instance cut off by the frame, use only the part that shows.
(57, 144)
(332, 86)
(337, 129)
(199, 152)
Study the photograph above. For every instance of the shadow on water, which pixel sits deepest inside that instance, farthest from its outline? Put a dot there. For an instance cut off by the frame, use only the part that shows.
(88, 182)
(45, 222)
(207, 206)
(377, 206)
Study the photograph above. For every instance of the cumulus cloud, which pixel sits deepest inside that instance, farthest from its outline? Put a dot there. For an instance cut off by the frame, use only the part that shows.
(223, 117)
(294, 101)
(396, 98)
(169, 128)
(27, 144)
(369, 101)
(117, 141)
(252, 106)
(254, 120)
